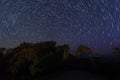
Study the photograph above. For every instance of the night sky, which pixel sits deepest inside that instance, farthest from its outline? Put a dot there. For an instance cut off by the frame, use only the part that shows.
(95, 23)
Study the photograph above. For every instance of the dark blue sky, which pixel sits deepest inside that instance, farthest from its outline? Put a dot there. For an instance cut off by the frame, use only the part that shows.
(95, 23)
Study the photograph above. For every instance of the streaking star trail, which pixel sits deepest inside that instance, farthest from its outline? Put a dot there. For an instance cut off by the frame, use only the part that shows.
(95, 23)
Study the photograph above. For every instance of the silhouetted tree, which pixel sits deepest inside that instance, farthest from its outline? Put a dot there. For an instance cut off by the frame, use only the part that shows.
(83, 50)
(84, 54)
(31, 60)
(63, 51)
(1, 53)
(43, 57)
(2, 67)
(116, 53)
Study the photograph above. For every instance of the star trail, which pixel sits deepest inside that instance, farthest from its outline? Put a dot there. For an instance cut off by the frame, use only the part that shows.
(95, 23)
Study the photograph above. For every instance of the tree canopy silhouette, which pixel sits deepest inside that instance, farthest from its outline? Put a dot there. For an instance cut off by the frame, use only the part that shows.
(29, 61)
(83, 50)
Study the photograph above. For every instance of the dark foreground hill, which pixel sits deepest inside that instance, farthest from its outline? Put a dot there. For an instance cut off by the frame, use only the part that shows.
(48, 61)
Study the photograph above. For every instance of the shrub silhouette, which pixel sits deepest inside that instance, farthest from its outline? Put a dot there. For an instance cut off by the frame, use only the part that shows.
(30, 61)
(82, 49)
